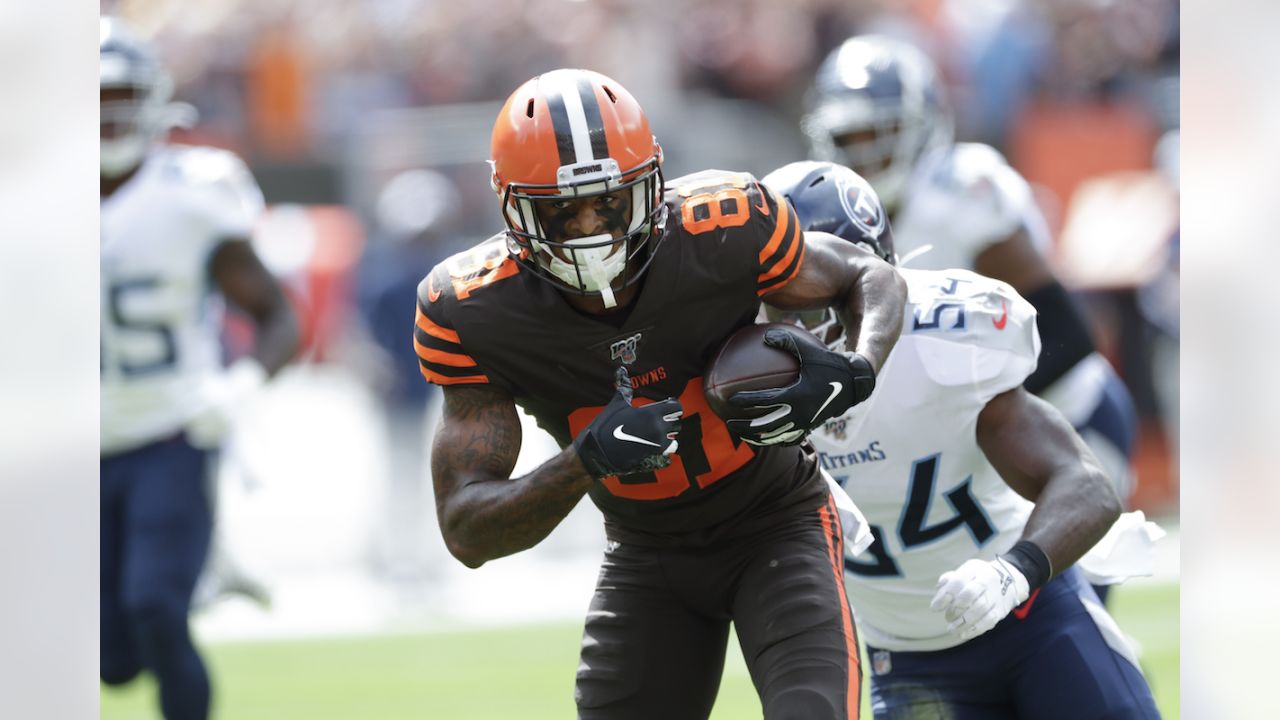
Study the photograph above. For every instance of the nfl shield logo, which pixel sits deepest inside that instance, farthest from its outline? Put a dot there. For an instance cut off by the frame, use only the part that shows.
(880, 662)
(837, 428)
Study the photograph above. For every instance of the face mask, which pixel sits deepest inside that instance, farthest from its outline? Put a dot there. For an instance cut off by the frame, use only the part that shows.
(121, 155)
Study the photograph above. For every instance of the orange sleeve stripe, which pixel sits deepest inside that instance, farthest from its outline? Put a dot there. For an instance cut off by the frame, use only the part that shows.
(441, 357)
(779, 229)
(436, 331)
(439, 379)
(835, 550)
(797, 242)
(787, 280)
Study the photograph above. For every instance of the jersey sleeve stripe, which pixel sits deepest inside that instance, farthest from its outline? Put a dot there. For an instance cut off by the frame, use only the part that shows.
(785, 217)
(425, 324)
(781, 281)
(439, 379)
(442, 357)
(779, 267)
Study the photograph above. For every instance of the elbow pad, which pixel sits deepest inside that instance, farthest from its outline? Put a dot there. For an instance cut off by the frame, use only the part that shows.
(1064, 337)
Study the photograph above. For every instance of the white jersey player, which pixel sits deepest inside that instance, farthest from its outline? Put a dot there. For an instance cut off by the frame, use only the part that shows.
(160, 320)
(980, 498)
(877, 107)
(910, 459)
(175, 230)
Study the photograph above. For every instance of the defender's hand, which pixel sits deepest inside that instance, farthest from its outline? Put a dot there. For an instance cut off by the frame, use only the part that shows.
(224, 397)
(979, 594)
(623, 439)
(829, 384)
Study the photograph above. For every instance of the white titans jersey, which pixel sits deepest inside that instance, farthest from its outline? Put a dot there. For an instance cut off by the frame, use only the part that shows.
(160, 322)
(909, 458)
(964, 198)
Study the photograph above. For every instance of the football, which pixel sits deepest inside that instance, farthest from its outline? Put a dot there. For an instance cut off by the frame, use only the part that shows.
(744, 362)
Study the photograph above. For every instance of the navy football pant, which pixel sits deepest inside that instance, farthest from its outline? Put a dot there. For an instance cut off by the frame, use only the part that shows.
(656, 632)
(1065, 659)
(155, 532)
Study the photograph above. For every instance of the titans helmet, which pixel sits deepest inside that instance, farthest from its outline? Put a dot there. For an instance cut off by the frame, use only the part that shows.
(877, 106)
(831, 198)
(135, 93)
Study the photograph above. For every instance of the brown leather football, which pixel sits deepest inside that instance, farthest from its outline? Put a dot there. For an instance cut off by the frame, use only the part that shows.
(744, 362)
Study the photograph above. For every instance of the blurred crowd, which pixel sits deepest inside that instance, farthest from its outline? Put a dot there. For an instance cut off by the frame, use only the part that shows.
(285, 79)
(382, 108)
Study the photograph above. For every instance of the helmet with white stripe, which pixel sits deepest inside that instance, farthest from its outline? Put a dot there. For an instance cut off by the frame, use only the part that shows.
(569, 135)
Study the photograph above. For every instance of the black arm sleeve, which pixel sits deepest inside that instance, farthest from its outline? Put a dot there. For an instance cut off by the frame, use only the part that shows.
(1064, 337)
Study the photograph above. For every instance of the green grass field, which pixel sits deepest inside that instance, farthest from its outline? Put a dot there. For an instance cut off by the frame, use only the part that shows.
(524, 672)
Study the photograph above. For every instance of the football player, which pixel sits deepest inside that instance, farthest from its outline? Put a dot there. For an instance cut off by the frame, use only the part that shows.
(980, 496)
(877, 107)
(175, 226)
(597, 311)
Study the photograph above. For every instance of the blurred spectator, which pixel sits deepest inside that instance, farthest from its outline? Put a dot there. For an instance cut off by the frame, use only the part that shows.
(416, 215)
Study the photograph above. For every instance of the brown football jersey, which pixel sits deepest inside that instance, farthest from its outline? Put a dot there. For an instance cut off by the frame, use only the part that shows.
(483, 319)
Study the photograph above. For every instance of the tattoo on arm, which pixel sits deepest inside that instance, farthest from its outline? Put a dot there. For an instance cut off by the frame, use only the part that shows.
(484, 513)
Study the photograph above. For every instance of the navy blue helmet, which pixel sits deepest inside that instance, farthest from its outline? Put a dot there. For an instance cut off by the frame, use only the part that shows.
(877, 106)
(135, 108)
(831, 198)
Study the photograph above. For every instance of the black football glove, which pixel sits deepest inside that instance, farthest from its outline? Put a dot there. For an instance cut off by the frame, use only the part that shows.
(623, 440)
(829, 384)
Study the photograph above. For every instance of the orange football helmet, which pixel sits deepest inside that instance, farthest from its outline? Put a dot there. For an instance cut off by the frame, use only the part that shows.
(570, 134)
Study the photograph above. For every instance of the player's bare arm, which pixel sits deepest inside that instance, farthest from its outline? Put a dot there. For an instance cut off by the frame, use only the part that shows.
(484, 512)
(867, 293)
(1041, 457)
(1063, 329)
(244, 281)
(1038, 455)
(1016, 261)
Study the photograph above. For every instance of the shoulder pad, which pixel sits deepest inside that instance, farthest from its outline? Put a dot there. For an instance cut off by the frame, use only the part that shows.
(981, 194)
(222, 186)
(961, 308)
(442, 358)
(708, 180)
(736, 208)
(475, 268)
(207, 165)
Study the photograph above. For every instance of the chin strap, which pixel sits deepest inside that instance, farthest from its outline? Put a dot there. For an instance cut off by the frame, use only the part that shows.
(601, 278)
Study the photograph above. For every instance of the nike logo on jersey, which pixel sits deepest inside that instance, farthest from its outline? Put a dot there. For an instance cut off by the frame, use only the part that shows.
(836, 387)
(763, 207)
(432, 293)
(1004, 316)
(621, 434)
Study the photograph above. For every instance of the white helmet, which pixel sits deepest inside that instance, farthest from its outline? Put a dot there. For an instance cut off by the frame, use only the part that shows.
(877, 106)
(133, 119)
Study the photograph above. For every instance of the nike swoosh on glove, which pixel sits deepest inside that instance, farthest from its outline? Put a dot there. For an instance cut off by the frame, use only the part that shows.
(224, 398)
(623, 439)
(979, 594)
(829, 384)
